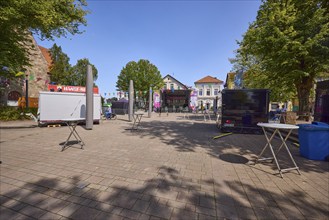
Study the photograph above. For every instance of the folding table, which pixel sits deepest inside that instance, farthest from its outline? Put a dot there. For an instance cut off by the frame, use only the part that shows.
(72, 124)
(137, 119)
(277, 127)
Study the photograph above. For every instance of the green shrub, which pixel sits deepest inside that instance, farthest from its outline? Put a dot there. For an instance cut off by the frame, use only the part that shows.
(14, 113)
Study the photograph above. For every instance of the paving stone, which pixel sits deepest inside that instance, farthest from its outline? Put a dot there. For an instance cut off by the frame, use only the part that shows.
(245, 212)
(184, 214)
(141, 206)
(85, 213)
(172, 168)
(130, 214)
(225, 211)
(49, 215)
(158, 210)
(32, 211)
(109, 216)
(68, 210)
(53, 204)
(8, 213)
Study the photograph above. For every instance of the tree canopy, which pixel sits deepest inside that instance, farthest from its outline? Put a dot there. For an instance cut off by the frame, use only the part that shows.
(287, 47)
(143, 73)
(60, 69)
(78, 73)
(48, 19)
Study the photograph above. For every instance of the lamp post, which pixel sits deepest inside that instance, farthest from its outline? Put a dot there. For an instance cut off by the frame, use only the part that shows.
(26, 90)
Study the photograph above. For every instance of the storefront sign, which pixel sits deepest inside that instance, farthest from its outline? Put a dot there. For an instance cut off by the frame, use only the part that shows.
(78, 89)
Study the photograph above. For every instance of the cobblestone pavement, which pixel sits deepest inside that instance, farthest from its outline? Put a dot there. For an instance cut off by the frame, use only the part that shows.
(169, 169)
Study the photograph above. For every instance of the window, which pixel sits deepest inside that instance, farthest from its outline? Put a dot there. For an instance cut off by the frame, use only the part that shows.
(171, 86)
(179, 88)
(200, 92)
(208, 92)
(13, 96)
(216, 92)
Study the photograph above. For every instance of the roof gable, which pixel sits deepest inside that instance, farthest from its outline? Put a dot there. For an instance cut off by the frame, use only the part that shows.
(208, 79)
(46, 54)
(181, 84)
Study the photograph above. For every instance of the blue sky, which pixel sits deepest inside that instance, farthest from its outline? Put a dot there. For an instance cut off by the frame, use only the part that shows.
(187, 39)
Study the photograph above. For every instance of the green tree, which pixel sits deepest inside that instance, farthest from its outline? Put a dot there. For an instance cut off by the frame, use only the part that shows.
(60, 68)
(254, 77)
(143, 73)
(290, 41)
(79, 73)
(48, 19)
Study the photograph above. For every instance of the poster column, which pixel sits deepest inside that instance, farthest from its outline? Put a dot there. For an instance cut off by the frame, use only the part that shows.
(131, 100)
(150, 102)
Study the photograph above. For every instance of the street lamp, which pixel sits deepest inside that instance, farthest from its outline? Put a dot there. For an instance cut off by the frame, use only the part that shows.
(26, 90)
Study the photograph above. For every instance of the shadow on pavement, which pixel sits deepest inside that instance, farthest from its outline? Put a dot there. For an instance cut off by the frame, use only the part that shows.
(168, 196)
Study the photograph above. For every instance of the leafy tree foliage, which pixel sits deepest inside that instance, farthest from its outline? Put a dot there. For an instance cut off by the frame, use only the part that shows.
(60, 69)
(63, 73)
(143, 73)
(19, 18)
(79, 73)
(287, 47)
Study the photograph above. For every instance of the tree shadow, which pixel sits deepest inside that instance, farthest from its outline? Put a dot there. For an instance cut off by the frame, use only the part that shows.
(188, 136)
(169, 195)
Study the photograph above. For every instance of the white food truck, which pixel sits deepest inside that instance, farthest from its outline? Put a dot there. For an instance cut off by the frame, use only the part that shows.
(56, 107)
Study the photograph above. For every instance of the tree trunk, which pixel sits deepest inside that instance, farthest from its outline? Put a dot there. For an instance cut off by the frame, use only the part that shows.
(303, 92)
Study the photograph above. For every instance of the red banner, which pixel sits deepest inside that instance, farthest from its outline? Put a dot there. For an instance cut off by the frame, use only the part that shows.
(79, 89)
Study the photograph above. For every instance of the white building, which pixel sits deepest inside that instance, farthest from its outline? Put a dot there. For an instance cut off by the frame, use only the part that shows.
(208, 89)
(172, 83)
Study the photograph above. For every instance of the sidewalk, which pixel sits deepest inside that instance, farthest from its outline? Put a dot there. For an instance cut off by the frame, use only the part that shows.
(169, 169)
(18, 124)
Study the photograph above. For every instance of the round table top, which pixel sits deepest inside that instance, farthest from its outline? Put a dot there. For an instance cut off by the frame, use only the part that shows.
(277, 125)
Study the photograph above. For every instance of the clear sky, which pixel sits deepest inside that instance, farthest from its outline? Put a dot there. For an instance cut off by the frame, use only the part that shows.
(187, 39)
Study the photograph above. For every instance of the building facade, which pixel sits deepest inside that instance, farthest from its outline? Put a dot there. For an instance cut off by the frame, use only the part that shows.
(37, 76)
(170, 83)
(208, 91)
(174, 95)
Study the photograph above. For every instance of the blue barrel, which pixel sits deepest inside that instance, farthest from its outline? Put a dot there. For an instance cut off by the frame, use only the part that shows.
(314, 140)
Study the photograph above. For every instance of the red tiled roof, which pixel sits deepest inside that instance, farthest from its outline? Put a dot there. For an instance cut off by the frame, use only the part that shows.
(46, 54)
(209, 79)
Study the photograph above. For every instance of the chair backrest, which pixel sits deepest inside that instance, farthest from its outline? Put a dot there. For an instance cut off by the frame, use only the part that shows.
(291, 118)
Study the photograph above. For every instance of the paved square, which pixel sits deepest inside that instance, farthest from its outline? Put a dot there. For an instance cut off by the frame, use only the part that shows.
(169, 169)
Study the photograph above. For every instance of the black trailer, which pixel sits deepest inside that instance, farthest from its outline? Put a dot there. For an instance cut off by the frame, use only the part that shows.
(242, 109)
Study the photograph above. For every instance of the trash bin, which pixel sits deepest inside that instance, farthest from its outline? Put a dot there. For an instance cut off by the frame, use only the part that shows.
(314, 140)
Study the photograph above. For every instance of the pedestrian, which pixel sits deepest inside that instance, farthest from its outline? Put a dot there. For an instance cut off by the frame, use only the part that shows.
(283, 108)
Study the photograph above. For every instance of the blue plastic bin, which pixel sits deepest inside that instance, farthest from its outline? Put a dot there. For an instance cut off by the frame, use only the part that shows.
(314, 140)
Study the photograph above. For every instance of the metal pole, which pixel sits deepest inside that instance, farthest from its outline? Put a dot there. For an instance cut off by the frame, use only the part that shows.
(89, 99)
(131, 100)
(150, 102)
(27, 91)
